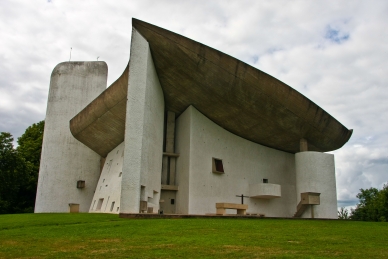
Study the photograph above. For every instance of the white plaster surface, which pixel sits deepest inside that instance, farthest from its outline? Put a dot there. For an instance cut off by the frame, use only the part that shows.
(64, 159)
(198, 140)
(182, 147)
(315, 172)
(265, 190)
(144, 131)
(109, 184)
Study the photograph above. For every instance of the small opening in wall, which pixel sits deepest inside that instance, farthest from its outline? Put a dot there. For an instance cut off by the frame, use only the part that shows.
(80, 184)
(265, 180)
(112, 206)
(103, 180)
(99, 204)
(120, 174)
(74, 208)
(118, 208)
(218, 167)
(172, 201)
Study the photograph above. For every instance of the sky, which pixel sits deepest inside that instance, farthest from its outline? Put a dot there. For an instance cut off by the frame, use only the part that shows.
(333, 52)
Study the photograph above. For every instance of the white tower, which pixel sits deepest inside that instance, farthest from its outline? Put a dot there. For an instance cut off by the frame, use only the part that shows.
(315, 172)
(65, 160)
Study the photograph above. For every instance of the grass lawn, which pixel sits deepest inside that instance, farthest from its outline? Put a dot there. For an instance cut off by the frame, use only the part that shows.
(107, 236)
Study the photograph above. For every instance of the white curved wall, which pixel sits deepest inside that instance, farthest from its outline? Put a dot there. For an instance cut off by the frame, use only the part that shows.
(64, 159)
(108, 189)
(315, 172)
(198, 140)
(143, 131)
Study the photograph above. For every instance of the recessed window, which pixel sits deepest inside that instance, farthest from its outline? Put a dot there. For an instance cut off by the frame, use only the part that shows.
(172, 201)
(120, 174)
(218, 167)
(99, 204)
(265, 180)
(112, 206)
(80, 184)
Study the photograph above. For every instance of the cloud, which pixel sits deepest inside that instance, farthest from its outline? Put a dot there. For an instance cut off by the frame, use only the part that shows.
(335, 53)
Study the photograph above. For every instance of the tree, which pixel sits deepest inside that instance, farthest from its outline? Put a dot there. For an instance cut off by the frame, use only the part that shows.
(30, 147)
(373, 205)
(12, 176)
(19, 169)
(343, 213)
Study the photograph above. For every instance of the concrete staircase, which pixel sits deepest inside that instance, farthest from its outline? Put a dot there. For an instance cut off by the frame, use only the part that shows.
(307, 199)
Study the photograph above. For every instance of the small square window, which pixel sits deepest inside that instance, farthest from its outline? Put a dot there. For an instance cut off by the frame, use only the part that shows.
(80, 184)
(172, 201)
(218, 167)
(265, 180)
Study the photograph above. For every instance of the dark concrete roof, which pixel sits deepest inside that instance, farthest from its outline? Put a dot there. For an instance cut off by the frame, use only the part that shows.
(234, 95)
(101, 124)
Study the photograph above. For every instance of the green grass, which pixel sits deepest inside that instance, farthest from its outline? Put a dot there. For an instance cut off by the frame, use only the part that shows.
(107, 236)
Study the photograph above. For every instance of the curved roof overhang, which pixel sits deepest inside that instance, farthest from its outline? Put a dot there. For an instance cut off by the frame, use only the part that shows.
(234, 95)
(101, 124)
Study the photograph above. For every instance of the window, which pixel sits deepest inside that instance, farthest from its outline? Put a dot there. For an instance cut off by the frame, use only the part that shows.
(265, 180)
(112, 206)
(80, 184)
(218, 167)
(172, 201)
(99, 204)
(120, 174)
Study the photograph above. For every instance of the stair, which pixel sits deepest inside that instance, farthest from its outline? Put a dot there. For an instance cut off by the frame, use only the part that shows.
(307, 199)
(300, 209)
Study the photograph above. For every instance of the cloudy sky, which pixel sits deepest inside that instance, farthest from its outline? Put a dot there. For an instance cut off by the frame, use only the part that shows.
(333, 52)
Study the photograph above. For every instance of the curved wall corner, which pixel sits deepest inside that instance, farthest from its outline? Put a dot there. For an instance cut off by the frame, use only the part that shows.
(64, 159)
(315, 172)
(143, 140)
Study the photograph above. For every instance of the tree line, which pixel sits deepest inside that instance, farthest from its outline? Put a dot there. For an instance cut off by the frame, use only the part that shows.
(372, 206)
(19, 169)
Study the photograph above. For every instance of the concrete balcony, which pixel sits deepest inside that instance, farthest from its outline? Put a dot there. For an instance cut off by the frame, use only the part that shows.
(265, 191)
